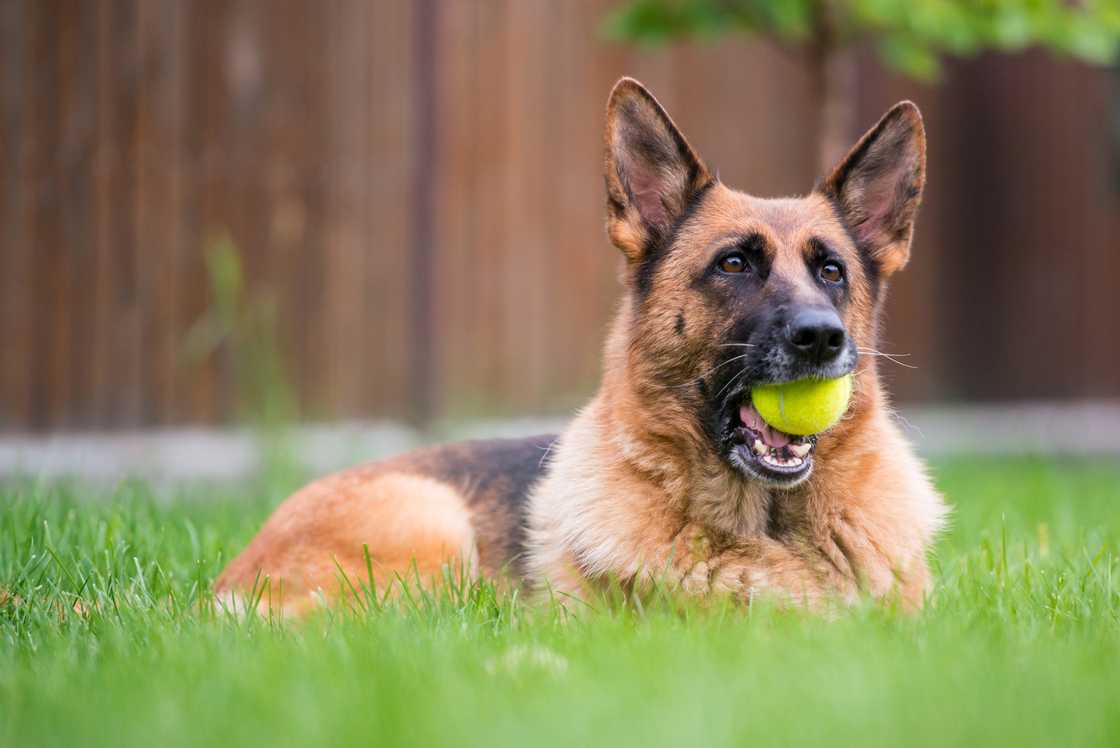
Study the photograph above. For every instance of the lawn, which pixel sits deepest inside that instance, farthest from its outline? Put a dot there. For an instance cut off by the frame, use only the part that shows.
(107, 643)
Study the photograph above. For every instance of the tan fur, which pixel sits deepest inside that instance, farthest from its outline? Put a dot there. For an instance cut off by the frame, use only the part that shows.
(625, 502)
(634, 491)
(415, 528)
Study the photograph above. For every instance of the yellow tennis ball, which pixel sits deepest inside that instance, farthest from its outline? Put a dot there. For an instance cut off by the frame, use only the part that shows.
(807, 406)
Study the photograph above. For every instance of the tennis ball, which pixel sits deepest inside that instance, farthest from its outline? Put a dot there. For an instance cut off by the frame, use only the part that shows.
(807, 406)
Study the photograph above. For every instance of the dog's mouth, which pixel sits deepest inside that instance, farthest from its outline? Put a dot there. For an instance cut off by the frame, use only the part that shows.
(763, 452)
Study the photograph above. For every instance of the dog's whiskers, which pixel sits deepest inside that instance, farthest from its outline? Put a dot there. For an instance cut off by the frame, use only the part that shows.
(547, 451)
(690, 382)
(733, 380)
(731, 360)
(892, 357)
(862, 349)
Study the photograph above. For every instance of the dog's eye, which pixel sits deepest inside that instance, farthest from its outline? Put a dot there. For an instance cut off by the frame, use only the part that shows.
(734, 263)
(831, 272)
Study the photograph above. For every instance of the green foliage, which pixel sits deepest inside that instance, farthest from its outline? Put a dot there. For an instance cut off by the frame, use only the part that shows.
(911, 35)
(108, 637)
(663, 20)
(241, 324)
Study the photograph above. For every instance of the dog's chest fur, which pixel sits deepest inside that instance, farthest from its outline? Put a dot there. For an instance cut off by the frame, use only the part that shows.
(615, 509)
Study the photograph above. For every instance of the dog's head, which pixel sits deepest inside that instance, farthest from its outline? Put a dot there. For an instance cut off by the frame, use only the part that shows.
(727, 291)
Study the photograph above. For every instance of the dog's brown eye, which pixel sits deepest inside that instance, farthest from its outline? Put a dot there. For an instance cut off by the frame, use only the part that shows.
(832, 272)
(733, 264)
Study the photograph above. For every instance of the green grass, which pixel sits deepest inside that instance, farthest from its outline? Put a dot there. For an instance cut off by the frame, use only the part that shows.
(1019, 644)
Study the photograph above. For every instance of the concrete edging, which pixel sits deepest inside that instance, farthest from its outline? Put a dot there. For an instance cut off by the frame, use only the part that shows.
(1090, 428)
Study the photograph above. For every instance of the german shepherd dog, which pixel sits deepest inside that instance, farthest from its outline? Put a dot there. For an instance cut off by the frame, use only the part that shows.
(669, 475)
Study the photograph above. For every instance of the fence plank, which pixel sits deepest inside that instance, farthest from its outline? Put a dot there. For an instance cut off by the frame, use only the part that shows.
(474, 215)
(385, 322)
(17, 160)
(159, 177)
(346, 181)
(53, 278)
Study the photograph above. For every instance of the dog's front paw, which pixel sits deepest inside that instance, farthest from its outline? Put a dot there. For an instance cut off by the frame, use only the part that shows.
(697, 581)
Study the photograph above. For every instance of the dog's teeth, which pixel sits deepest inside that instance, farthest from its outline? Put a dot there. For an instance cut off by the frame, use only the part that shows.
(759, 448)
(800, 449)
(772, 457)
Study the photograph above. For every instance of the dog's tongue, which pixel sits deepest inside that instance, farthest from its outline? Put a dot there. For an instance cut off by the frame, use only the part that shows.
(771, 436)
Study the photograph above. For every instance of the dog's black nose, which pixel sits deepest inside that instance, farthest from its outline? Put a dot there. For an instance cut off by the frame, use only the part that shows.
(817, 335)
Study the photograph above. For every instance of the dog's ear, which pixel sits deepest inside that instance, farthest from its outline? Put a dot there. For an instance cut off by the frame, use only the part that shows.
(878, 186)
(651, 172)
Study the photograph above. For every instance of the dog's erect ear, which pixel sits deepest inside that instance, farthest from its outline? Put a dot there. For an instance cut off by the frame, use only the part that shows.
(652, 172)
(878, 186)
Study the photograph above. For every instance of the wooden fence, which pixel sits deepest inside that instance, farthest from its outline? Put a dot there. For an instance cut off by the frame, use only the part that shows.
(417, 186)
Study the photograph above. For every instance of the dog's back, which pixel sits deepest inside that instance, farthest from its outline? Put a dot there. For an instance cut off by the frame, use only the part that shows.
(449, 508)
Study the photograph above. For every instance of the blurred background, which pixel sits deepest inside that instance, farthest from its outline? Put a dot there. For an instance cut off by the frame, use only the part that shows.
(359, 210)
